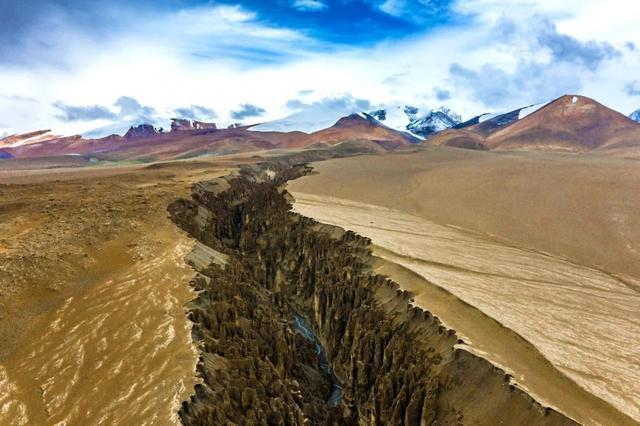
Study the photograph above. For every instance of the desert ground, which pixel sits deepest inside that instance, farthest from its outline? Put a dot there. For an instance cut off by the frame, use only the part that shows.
(532, 257)
(92, 291)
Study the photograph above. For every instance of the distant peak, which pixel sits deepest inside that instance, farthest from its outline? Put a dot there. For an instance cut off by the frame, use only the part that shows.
(180, 124)
(141, 131)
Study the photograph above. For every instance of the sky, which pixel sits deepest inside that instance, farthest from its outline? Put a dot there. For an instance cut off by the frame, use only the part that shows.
(97, 67)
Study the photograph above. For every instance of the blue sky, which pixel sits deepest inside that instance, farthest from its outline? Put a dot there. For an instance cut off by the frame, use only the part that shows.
(74, 65)
(354, 22)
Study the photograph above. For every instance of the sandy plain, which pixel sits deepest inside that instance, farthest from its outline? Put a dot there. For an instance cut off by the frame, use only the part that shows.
(93, 327)
(544, 245)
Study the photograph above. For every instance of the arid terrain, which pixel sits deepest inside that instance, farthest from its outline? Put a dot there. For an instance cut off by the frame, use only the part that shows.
(319, 213)
(92, 294)
(527, 260)
(544, 245)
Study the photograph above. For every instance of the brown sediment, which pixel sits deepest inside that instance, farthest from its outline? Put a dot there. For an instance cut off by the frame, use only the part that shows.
(395, 363)
(577, 317)
(489, 339)
(92, 291)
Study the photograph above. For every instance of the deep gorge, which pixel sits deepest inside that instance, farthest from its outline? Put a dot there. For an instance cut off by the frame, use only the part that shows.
(261, 266)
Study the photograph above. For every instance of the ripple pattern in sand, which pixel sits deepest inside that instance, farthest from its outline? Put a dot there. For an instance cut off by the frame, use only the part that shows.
(585, 321)
(119, 353)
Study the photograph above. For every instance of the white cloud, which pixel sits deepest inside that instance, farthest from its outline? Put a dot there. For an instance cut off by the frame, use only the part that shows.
(225, 56)
(310, 5)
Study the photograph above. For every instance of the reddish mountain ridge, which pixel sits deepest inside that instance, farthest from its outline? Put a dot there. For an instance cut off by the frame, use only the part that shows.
(568, 124)
(145, 143)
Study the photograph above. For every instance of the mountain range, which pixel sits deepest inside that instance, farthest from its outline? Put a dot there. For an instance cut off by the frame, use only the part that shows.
(571, 123)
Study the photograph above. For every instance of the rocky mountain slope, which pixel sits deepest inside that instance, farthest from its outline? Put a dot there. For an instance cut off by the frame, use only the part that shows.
(145, 142)
(37, 136)
(568, 124)
(400, 118)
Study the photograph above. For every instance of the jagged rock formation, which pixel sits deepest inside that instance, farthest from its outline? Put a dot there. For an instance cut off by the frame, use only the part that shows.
(408, 119)
(202, 125)
(180, 124)
(433, 122)
(391, 363)
(141, 131)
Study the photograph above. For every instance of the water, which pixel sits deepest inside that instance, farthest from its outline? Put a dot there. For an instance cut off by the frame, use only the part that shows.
(302, 327)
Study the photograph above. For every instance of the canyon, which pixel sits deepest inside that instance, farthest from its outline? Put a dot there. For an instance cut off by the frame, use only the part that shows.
(395, 362)
(268, 308)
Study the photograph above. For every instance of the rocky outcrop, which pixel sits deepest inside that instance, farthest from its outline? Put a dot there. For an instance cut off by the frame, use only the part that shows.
(201, 125)
(141, 131)
(179, 124)
(364, 354)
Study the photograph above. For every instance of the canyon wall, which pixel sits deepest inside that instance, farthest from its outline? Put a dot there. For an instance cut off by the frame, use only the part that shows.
(294, 328)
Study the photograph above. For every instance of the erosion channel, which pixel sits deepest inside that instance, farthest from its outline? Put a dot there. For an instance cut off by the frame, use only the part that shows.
(294, 328)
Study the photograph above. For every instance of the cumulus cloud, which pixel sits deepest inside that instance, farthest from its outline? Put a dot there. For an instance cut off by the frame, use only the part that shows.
(131, 107)
(196, 112)
(310, 5)
(443, 94)
(175, 58)
(563, 47)
(126, 111)
(529, 83)
(632, 88)
(344, 102)
(295, 104)
(83, 113)
(247, 111)
(549, 64)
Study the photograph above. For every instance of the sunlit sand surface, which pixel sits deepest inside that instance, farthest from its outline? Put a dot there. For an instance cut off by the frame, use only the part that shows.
(120, 353)
(93, 287)
(585, 321)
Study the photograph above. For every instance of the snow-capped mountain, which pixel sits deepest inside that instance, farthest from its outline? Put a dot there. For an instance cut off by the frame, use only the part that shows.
(396, 117)
(502, 118)
(635, 116)
(403, 118)
(311, 119)
(433, 122)
(16, 140)
(122, 127)
(408, 119)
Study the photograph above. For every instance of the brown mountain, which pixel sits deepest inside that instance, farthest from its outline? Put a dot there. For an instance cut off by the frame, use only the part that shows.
(569, 124)
(26, 138)
(145, 143)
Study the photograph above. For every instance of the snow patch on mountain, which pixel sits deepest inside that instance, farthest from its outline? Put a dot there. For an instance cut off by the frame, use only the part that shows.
(408, 119)
(433, 122)
(635, 116)
(312, 119)
(395, 117)
(488, 116)
(533, 108)
(402, 118)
